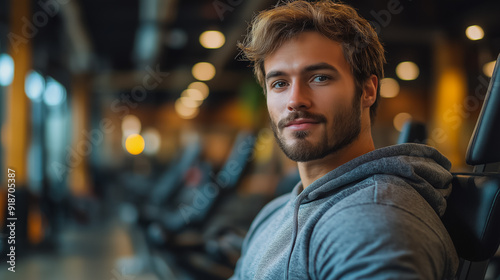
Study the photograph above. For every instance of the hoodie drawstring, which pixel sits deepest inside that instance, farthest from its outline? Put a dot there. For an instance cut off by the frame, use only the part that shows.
(295, 229)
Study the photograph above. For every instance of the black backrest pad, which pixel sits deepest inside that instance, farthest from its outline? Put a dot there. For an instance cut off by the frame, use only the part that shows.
(472, 216)
(484, 146)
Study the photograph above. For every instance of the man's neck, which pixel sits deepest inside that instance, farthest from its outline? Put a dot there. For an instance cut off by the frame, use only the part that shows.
(310, 171)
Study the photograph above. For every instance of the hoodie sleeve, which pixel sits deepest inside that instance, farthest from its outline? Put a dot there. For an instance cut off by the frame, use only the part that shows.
(376, 241)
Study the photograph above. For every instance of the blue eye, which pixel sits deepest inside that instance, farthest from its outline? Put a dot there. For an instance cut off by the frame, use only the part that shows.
(321, 78)
(278, 84)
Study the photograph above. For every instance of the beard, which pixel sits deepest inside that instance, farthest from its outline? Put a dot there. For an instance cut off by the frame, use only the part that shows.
(345, 128)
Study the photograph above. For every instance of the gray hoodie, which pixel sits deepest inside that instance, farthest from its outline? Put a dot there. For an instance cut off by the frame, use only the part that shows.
(375, 217)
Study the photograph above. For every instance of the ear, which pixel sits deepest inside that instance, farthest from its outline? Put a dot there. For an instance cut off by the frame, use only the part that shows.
(369, 92)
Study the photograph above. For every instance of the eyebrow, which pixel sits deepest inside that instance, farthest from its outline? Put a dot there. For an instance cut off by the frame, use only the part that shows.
(310, 68)
(320, 66)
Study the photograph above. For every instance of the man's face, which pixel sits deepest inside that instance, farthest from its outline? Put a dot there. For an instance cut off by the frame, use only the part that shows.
(311, 97)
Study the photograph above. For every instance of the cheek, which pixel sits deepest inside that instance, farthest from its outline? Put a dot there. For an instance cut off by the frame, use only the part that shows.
(270, 109)
(274, 105)
(336, 97)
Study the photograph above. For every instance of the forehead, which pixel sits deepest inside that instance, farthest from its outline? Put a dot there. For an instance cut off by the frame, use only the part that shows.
(305, 49)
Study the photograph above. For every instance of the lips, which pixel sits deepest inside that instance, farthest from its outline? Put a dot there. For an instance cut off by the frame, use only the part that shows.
(301, 124)
(298, 122)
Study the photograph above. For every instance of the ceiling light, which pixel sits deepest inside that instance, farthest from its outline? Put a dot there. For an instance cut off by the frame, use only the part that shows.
(134, 144)
(189, 103)
(193, 94)
(474, 32)
(201, 86)
(131, 125)
(389, 88)
(203, 71)
(407, 71)
(212, 39)
(185, 112)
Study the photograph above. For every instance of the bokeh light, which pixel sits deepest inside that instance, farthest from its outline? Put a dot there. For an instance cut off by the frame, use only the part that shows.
(201, 86)
(152, 141)
(54, 94)
(6, 69)
(203, 71)
(488, 68)
(131, 125)
(189, 103)
(212, 39)
(34, 85)
(193, 94)
(389, 88)
(134, 144)
(407, 71)
(184, 111)
(474, 32)
(400, 120)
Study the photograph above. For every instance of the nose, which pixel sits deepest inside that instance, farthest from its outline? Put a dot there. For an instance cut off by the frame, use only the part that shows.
(299, 98)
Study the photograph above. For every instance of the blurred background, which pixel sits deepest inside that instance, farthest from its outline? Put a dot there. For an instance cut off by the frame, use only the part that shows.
(140, 141)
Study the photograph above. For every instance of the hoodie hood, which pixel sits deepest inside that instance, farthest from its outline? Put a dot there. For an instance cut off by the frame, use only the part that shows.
(420, 166)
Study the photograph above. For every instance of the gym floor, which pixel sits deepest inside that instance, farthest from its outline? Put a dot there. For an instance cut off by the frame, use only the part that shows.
(100, 252)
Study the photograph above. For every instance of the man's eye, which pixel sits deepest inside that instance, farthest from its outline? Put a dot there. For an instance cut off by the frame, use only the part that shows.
(278, 84)
(321, 78)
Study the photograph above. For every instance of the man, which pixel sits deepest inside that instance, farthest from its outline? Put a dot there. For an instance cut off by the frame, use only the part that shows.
(358, 212)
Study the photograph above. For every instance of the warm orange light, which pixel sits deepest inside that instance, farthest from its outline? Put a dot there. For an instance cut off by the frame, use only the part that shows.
(203, 71)
(35, 226)
(474, 32)
(193, 94)
(134, 144)
(201, 86)
(131, 125)
(407, 71)
(189, 103)
(212, 39)
(184, 111)
(389, 88)
(489, 67)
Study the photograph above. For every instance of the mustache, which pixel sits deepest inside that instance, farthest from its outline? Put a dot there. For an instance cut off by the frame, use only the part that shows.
(301, 115)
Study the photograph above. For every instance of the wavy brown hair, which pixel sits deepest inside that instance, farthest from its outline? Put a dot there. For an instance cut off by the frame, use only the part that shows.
(337, 21)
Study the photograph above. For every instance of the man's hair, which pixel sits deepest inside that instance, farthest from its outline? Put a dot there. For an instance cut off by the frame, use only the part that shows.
(338, 22)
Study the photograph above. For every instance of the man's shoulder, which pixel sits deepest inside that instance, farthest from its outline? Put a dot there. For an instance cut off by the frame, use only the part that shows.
(385, 210)
(382, 237)
(380, 197)
(380, 190)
